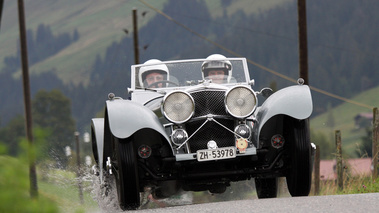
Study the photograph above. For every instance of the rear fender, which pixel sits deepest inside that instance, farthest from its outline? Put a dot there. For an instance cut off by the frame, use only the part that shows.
(293, 101)
(97, 137)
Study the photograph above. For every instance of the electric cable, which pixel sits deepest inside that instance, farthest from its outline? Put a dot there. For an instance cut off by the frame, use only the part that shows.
(252, 62)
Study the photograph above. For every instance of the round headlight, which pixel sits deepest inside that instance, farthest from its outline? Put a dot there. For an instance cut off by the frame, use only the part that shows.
(240, 102)
(178, 107)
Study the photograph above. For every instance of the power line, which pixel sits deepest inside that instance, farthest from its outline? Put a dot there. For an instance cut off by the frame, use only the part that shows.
(255, 63)
(273, 35)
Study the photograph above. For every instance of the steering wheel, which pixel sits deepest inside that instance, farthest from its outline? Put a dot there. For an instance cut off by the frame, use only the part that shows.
(155, 84)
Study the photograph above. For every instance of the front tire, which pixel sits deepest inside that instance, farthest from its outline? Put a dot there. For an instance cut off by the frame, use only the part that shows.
(266, 187)
(299, 177)
(126, 174)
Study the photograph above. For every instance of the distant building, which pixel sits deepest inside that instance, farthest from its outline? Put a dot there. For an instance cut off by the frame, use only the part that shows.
(355, 167)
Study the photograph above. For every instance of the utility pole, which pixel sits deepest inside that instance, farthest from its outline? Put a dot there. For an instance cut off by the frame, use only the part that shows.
(303, 48)
(27, 102)
(1, 10)
(135, 33)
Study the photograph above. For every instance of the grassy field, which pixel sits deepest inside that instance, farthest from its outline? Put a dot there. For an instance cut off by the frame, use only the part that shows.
(63, 189)
(98, 23)
(344, 120)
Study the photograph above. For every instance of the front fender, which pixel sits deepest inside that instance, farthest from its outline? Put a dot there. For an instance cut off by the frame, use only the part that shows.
(294, 101)
(126, 117)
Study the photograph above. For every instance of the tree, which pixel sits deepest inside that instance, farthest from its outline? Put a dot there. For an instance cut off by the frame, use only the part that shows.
(365, 147)
(11, 134)
(52, 111)
(326, 146)
(330, 119)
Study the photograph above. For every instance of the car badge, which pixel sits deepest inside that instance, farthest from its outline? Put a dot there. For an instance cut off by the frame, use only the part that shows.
(241, 144)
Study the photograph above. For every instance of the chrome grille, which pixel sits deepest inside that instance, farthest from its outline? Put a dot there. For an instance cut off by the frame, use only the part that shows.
(209, 102)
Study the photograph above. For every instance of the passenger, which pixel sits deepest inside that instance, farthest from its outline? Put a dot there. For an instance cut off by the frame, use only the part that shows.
(149, 75)
(218, 69)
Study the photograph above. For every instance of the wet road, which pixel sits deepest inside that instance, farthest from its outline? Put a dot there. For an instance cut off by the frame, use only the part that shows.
(363, 203)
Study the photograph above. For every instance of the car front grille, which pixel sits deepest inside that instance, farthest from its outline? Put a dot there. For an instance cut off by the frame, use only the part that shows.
(209, 102)
(210, 131)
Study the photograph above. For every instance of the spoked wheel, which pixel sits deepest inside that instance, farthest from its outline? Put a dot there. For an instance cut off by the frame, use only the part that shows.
(300, 175)
(266, 187)
(126, 174)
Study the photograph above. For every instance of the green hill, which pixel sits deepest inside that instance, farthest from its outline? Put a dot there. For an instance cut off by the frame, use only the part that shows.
(99, 23)
(343, 116)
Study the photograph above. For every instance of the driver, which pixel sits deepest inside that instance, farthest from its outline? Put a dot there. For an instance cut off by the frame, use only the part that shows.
(149, 75)
(217, 69)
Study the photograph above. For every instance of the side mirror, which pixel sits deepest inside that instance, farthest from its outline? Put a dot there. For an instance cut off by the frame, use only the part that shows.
(266, 92)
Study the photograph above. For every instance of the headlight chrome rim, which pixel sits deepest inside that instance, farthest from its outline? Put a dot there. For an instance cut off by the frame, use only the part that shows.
(232, 103)
(177, 110)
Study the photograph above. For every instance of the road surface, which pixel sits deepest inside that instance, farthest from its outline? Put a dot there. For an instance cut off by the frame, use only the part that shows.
(362, 203)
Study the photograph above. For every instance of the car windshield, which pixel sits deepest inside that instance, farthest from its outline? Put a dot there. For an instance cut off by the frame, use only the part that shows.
(183, 73)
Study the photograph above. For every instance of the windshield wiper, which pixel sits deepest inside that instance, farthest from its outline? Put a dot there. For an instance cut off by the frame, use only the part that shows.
(152, 90)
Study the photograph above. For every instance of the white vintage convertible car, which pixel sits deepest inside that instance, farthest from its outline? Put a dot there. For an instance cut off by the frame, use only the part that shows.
(194, 131)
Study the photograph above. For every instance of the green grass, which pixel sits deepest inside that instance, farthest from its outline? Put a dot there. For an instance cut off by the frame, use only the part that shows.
(99, 24)
(66, 196)
(14, 185)
(351, 185)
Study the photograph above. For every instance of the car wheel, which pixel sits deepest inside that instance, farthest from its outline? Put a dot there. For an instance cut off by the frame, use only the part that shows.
(126, 175)
(266, 187)
(300, 174)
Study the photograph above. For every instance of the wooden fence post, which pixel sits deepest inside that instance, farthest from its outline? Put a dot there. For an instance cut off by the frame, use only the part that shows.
(375, 143)
(339, 160)
(78, 170)
(317, 171)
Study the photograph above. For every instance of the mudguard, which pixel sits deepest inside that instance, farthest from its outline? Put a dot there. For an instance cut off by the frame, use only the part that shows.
(294, 101)
(97, 137)
(126, 117)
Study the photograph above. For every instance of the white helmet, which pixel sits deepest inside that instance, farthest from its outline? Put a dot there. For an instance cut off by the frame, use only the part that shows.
(154, 67)
(217, 61)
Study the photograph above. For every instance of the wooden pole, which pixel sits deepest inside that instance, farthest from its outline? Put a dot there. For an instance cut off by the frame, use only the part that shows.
(317, 171)
(78, 171)
(135, 33)
(27, 102)
(1, 10)
(339, 160)
(375, 143)
(303, 47)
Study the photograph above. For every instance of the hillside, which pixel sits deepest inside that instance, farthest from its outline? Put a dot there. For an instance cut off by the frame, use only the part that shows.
(99, 24)
(342, 49)
(343, 117)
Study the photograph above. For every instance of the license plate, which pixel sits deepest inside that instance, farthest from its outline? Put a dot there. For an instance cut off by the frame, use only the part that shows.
(216, 154)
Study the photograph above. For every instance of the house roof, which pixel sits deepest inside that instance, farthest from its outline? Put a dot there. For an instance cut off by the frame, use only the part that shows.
(356, 167)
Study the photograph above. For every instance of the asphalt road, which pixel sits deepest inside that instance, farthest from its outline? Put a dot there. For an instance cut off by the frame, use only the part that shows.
(362, 203)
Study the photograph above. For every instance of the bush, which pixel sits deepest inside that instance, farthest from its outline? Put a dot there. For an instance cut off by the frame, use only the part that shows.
(14, 189)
